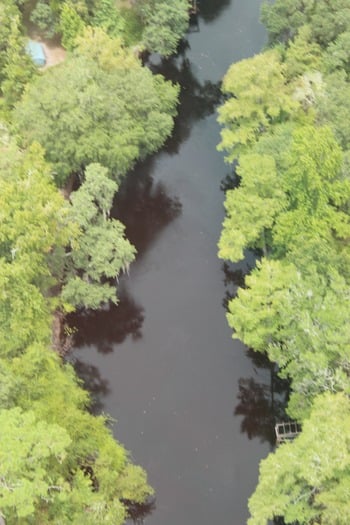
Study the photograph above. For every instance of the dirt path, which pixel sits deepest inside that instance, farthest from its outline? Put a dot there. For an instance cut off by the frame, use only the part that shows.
(54, 54)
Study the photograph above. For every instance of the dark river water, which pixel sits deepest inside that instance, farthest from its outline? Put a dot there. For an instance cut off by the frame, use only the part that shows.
(190, 403)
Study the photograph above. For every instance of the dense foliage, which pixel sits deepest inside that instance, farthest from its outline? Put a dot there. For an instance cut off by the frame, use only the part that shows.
(155, 25)
(164, 24)
(68, 467)
(99, 105)
(87, 120)
(285, 126)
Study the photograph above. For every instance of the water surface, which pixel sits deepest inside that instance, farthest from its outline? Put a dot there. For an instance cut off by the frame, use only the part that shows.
(190, 403)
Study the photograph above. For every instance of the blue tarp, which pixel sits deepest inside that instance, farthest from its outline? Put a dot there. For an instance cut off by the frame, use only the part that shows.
(36, 51)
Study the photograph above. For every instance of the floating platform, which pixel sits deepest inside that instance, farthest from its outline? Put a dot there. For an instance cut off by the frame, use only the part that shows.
(287, 431)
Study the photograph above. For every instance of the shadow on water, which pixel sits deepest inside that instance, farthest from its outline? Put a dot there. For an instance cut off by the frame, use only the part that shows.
(232, 180)
(93, 383)
(211, 9)
(106, 327)
(196, 101)
(262, 398)
(139, 511)
(261, 402)
(233, 279)
(144, 206)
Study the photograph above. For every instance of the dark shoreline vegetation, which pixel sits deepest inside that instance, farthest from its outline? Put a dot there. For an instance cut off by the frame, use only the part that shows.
(285, 120)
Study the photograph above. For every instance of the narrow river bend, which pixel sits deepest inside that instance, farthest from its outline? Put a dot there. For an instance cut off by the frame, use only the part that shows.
(163, 363)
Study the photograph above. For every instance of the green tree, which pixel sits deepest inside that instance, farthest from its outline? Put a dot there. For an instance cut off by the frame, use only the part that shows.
(94, 475)
(101, 251)
(30, 452)
(165, 24)
(280, 208)
(283, 18)
(315, 188)
(109, 18)
(259, 97)
(252, 208)
(34, 231)
(16, 68)
(116, 111)
(337, 56)
(302, 55)
(45, 18)
(71, 25)
(307, 481)
(299, 321)
(333, 106)
(327, 19)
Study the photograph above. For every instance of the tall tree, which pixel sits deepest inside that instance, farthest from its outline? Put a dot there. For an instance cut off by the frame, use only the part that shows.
(258, 97)
(101, 251)
(252, 208)
(300, 196)
(87, 476)
(16, 67)
(34, 231)
(165, 24)
(30, 453)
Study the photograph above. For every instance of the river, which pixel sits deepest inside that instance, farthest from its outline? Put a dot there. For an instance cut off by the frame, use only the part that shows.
(190, 403)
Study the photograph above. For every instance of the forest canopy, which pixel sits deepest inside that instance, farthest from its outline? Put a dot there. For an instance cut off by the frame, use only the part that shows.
(285, 134)
(68, 134)
(97, 107)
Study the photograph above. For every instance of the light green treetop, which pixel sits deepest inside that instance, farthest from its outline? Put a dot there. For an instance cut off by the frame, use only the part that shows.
(308, 481)
(101, 251)
(34, 228)
(259, 98)
(300, 323)
(30, 451)
(252, 208)
(301, 195)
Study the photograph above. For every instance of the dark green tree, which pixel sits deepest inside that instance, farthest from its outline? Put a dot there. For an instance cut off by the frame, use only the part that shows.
(165, 23)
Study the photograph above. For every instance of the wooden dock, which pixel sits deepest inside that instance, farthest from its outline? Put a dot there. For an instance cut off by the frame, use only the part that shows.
(287, 431)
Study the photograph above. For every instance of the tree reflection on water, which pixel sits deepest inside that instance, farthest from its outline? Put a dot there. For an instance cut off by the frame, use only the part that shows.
(93, 383)
(262, 398)
(144, 206)
(139, 511)
(262, 401)
(108, 326)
